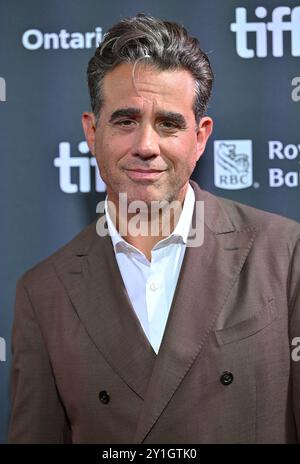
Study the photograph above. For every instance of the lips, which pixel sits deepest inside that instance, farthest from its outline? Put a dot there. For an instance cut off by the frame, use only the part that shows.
(144, 174)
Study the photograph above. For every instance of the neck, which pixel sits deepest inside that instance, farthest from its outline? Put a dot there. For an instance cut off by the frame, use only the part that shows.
(147, 225)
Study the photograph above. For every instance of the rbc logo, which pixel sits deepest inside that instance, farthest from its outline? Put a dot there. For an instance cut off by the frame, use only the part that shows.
(233, 164)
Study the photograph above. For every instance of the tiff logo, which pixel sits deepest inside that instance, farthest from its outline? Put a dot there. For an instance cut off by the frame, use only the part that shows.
(2, 89)
(64, 162)
(2, 349)
(277, 27)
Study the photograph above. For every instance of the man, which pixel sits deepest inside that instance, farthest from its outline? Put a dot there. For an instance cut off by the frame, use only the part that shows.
(145, 338)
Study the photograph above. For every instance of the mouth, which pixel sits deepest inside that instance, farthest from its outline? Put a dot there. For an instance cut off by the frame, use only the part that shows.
(144, 174)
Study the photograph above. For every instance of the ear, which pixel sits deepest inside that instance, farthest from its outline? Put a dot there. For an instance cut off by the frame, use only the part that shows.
(204, 130)
(89, 127)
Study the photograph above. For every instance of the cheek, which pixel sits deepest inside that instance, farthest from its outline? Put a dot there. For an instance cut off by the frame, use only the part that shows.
(106, 153)
(183, 152)
(112, 147)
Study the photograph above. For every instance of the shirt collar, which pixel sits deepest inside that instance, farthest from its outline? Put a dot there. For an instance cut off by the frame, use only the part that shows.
(179, 234)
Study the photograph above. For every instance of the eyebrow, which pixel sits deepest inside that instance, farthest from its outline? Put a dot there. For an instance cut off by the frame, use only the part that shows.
(124, 112)
(176, 118)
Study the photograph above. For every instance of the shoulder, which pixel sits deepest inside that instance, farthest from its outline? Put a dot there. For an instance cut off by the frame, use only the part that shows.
(222, 214)
(44, 271)
(241, 214)
(271, 228)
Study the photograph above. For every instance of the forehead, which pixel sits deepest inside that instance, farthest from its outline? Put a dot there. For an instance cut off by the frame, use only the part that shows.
(168, 89)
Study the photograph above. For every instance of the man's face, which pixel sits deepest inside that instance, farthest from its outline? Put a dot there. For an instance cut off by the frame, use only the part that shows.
(146, 141)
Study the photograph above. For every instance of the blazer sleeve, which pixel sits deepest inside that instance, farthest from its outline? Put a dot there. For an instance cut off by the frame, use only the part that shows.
(37, 413)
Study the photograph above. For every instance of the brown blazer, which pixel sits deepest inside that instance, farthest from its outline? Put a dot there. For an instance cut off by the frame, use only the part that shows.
(84, 372)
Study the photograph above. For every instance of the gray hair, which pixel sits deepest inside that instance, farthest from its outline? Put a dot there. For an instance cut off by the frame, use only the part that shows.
(165, 45)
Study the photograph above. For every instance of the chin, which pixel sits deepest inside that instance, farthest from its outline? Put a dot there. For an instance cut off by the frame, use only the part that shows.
(148, 197)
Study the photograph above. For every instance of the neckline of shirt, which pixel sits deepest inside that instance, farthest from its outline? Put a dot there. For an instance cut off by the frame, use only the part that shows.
(178, 236)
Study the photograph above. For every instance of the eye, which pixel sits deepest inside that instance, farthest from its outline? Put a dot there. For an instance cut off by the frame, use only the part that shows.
(169, 125)
(125, 123)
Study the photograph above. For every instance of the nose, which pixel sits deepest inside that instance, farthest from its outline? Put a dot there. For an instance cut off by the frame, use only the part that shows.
(146, 142)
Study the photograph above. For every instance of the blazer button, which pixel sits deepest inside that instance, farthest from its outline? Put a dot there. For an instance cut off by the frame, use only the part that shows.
(104, 397)
(226, 378)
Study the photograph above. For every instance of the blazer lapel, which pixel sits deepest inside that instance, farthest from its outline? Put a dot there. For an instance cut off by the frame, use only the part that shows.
(95, 286)
(207, 276)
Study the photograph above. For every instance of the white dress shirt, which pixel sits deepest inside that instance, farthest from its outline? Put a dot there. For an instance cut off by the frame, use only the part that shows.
(151, 284)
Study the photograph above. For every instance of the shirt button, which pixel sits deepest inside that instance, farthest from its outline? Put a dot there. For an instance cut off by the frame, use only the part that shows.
(226, 378)
(104, 397)
(153, 286)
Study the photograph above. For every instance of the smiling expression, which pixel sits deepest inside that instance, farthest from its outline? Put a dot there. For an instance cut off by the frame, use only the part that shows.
(146, 141)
